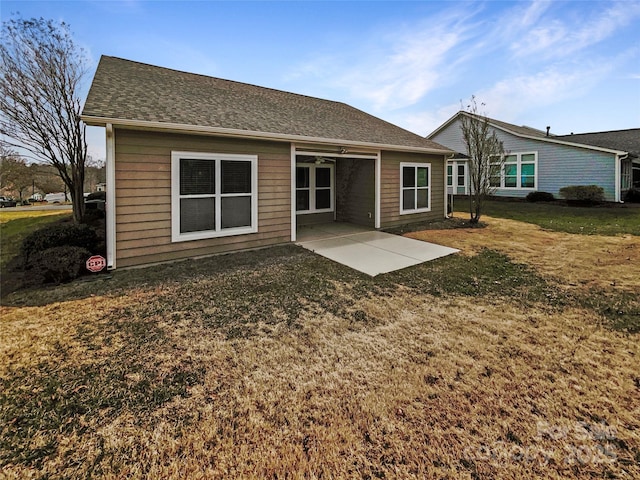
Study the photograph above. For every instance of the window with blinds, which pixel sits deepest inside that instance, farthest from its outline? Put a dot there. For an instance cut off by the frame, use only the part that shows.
(213, 195)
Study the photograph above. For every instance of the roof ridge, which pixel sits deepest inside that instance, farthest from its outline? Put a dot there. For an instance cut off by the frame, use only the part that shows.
(603, 131)
(506, 125)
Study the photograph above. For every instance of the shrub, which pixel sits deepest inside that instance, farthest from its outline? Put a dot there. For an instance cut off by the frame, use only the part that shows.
(97, 196)
(59, 235)
(584, 194)
(632, 195)
(56, 265)
(540, 197)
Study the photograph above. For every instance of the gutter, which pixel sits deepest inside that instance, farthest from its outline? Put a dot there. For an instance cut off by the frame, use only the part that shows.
(233, 132)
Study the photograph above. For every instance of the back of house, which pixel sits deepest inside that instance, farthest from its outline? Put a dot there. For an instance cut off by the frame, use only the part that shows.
(199, 165)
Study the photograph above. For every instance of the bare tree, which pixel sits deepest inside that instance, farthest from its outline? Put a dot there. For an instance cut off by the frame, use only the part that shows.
(486, 156)
(41, 70)
(15, 174)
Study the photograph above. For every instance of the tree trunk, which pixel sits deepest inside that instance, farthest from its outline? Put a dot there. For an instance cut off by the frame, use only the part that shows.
(77, 196)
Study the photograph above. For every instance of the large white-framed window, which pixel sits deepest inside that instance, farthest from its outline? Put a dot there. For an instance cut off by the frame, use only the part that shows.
(415, 187)
(518, 171)
(314, 188)
(213, 195)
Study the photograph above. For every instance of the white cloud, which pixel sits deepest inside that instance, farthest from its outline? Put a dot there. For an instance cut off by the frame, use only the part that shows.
(393, 70)
(426, 121)
(555, 37)
(510, 97)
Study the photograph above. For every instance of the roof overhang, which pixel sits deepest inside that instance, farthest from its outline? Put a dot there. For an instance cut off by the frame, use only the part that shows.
(254, 135)
(561, 142)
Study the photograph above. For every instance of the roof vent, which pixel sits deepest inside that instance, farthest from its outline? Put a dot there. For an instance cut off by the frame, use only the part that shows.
(548, 128)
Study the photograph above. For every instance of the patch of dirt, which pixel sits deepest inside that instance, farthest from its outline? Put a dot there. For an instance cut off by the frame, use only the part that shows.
(574, 260)
(444, 224)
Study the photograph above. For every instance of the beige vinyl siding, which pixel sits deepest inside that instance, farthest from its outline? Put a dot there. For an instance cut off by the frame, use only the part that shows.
(143, 196)
(314, 218)
(390, 188)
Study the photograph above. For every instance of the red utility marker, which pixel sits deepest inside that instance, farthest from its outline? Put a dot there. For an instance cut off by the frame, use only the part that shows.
(96, 263)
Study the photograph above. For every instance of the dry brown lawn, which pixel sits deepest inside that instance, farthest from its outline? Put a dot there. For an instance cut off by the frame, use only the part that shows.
(398, 384)
(573, 260)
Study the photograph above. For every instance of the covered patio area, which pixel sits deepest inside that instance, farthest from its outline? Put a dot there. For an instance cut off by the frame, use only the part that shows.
(369, 251)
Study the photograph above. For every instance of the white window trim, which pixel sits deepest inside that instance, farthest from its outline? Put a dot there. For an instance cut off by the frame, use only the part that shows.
(518, 163)
(312, 188)
(453, 188)
(415, 210)
(176, 235)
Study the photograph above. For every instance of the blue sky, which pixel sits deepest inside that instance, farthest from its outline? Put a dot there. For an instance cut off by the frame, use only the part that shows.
(572, 65)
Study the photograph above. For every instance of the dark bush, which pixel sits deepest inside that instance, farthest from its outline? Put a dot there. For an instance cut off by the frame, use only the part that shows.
(583, 194)
(59, 235)
(56, 265)
(540, 197)
(632, 195)
(97, 196)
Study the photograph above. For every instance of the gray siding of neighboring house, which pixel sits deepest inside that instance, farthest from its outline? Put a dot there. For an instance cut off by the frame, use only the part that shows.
(558, 165)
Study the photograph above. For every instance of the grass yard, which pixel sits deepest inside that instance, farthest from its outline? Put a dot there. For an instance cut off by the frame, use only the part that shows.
(16, 224)
(607, 219)
(505, 361)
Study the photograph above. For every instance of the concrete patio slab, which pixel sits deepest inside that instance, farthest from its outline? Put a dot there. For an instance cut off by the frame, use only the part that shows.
(370, 252)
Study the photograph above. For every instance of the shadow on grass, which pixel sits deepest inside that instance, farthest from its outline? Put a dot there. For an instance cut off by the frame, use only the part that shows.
(136, 365)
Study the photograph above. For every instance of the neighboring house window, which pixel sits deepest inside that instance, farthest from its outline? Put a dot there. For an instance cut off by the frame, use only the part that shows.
(415, 190)
(314, 188)
(462, 179)
(528, 170)
(457, 178)
(625, 174)
(518, 171)
(213, 195)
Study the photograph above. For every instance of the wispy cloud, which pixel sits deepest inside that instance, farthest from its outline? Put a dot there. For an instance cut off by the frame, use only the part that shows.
(515, 58)
(553, 37)
(394, 70)
(512, 97)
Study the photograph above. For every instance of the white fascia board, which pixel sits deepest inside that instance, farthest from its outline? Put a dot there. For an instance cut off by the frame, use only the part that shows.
(232, 132)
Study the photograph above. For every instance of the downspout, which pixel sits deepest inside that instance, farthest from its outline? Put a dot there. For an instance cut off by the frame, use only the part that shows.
(294, 223)
(378, 184)
(110, 206)
(619, 159)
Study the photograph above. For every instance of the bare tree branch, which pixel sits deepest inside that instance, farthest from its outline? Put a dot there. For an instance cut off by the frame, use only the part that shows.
(486, 155)
(41, 71)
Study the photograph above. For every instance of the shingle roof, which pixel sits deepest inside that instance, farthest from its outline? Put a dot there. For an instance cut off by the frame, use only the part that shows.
(517, 130)
(624, 140)
(520, 130)
(127, 90)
